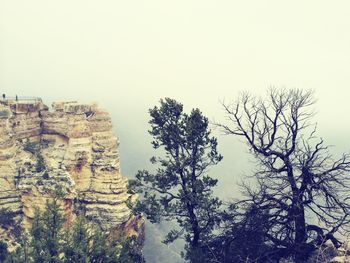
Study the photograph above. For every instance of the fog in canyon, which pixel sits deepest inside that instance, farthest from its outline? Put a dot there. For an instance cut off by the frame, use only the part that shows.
(126, 55)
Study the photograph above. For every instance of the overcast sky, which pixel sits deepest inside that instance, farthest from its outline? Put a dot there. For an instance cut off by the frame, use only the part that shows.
(126, 55)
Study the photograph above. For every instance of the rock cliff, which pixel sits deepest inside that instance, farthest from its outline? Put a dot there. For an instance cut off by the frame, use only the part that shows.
(71, 146)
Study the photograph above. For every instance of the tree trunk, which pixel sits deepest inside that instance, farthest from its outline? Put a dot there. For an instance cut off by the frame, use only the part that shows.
(298, 216)
(196, 255)
(300, 234)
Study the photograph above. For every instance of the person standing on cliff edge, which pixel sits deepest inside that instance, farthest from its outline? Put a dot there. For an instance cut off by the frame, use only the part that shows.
(3, 96)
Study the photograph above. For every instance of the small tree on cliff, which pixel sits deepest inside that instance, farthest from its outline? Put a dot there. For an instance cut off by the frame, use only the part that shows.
(3, 251)
(300, 187)
(46, 234)
(181, 189)
(77, 245)
(7, 218)
(86, 242)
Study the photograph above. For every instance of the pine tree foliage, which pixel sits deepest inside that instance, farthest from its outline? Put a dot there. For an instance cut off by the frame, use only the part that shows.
(49, 241)
(180, 189)
(46, 233)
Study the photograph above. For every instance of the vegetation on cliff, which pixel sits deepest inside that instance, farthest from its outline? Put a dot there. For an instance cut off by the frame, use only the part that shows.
(52, 239)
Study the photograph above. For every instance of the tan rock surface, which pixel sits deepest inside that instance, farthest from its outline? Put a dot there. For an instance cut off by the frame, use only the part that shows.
(72, 147)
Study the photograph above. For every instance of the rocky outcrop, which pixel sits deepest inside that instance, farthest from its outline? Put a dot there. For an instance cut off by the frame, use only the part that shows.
(71, 147)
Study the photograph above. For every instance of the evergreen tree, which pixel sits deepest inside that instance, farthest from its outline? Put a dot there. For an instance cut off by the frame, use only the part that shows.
(21, 253)
(7, 218)
(46, 234)
(84, 242)
(130, 251)
(181, 189)
(17, 256)
(77, 246)
(3, 251)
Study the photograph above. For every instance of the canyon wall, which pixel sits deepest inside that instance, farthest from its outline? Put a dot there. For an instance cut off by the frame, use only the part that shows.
(72, 148)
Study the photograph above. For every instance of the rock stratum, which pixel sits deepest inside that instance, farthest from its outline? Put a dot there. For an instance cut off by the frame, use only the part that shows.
(71, 146)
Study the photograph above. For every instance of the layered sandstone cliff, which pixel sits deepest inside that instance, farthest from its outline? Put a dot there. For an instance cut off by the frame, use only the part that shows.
(71, 147)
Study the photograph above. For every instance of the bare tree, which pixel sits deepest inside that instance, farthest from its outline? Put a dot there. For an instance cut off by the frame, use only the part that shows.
(300, 185)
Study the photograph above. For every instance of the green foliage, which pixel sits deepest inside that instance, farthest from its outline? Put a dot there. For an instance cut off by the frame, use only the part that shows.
(102, 250)
(76, 248)
(46, 176)
(84, 242)
(46, 234)
(6, 218)
(130, 251)
(3, 251)
(31, 147)
(40, 163)
(87, 243)
(180, 189)
(20, 255)
(34, 148)
(16, 257)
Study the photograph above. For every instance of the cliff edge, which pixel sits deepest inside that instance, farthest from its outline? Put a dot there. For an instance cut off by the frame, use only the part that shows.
(71, 146)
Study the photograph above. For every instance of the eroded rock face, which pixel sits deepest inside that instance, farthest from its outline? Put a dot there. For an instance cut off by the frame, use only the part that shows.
(72, 147)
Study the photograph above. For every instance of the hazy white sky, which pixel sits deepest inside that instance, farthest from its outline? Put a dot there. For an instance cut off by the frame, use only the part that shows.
(127, 54)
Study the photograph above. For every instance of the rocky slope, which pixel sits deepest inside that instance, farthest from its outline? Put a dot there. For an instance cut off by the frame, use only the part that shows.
(71, 147)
